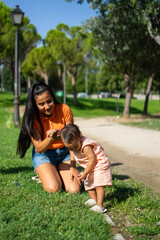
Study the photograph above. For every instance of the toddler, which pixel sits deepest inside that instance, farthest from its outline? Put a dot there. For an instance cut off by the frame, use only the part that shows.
(91, 156)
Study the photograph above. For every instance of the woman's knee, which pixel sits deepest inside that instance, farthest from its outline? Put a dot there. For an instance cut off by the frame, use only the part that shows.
(73, 188)
(52, 187)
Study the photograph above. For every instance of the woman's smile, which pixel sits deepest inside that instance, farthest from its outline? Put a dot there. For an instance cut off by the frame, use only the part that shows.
(45, 103)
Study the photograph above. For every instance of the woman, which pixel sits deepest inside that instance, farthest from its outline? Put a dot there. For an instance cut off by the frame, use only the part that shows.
(43, 119)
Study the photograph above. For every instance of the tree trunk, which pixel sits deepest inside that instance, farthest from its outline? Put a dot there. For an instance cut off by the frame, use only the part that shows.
(126, 112)
(28, 83)
(73, 77)
(74, 89)
(60, 75)
(149, 86)
(46, 79)
(43, 75)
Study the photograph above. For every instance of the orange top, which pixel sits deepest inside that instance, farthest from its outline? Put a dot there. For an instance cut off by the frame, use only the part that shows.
(61, 114)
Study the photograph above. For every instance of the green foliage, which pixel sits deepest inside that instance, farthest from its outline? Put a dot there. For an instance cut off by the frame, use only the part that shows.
(6, 79)
(28, 212)
(27, 39)
(6, 32)
(137, 208)
(108, 79)
(148, 124)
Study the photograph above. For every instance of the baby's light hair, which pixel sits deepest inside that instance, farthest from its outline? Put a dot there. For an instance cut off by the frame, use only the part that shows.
(70, 133)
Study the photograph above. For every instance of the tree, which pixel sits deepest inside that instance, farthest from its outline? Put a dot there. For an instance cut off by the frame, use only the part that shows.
(28, 38)
(41, 62)
(120, 32)
(108, 80)
(66, 44)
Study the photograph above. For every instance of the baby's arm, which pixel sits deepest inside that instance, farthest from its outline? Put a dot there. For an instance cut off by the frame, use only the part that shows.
(73, 171)
(92, 161)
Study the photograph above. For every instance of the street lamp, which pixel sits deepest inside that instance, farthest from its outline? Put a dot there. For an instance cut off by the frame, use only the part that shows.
(64, 79)
(17, 17)
(86, 74)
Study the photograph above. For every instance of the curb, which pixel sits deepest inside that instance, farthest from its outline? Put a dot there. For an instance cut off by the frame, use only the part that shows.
(117, 236)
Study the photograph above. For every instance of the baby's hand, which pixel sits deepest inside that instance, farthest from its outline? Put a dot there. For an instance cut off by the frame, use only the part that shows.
(82, 176)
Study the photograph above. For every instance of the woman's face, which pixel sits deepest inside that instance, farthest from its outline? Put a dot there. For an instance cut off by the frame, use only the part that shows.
(45, 103)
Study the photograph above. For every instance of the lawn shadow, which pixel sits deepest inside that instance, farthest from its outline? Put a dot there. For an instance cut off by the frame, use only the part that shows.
(153, 116)
(16, 170)
(116, 164)
(120, 192)
(120, 177)
(108, 104)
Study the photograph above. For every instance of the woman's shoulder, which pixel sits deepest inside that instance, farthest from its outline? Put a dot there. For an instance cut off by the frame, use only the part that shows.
(63, 110)
(62, 106)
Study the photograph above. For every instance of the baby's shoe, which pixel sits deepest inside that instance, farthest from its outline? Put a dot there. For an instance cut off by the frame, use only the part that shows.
(98, 209)
(90, 202)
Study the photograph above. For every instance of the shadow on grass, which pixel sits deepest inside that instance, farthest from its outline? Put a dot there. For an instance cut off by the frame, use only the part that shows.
(89, 104)
(16, 170)
(7, 102)
(108, 104)
(120, 194)
(120, 177)
(152, 116)
(116, 164)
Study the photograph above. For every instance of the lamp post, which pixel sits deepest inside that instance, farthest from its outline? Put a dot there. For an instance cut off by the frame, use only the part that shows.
(64, 79)
(17, 17)
(86, 75)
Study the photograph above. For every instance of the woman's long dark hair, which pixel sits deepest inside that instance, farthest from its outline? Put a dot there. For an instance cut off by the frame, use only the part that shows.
(31, 111)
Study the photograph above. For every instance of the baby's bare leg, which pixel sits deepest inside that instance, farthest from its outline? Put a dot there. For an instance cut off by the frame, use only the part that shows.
(92, 194)
(100, 196)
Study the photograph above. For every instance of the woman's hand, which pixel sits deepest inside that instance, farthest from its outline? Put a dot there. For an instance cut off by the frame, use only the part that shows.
(53, 133)
(74, 174)
(82, 176)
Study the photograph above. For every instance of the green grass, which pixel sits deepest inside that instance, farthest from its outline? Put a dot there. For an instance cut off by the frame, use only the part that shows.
(28, 212)
(107, 107)
(147, 124)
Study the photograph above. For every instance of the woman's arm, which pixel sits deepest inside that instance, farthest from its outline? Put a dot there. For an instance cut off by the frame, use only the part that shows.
(42, 145)
(92, 161)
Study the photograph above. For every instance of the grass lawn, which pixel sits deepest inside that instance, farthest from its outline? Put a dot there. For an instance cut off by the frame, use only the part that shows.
(107, 107)
(28, 212)
(147, 124)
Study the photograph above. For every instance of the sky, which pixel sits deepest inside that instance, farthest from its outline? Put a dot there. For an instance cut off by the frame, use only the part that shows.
(47, 14)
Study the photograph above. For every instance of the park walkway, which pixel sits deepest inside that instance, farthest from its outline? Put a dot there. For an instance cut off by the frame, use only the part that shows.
(134, 152)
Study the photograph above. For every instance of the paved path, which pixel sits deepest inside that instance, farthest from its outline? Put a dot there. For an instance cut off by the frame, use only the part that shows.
(133, 151)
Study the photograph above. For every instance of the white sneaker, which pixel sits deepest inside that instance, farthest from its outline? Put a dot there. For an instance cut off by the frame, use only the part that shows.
(90, 202)
(97, 208)
(36, 178)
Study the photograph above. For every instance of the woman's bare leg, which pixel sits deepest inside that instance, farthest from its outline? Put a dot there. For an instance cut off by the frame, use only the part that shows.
(100, 196)
(71, 186)
(49, 177)
(92, 194)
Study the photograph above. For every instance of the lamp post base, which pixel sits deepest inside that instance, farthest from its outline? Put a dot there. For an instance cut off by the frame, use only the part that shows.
(16, 112)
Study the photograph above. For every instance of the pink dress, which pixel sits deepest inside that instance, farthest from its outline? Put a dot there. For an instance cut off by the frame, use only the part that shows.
(101, 174)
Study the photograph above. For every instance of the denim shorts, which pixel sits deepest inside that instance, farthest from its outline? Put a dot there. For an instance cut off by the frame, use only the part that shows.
(53, 156)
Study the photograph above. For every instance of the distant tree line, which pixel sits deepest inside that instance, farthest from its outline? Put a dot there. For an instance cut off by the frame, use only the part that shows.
(126, 32)
(118, 50)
